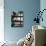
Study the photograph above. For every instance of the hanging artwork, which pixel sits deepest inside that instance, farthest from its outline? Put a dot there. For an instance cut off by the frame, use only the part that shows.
(17, 19)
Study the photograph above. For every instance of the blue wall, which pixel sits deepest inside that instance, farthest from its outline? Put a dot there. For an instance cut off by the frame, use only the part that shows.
(29, 7)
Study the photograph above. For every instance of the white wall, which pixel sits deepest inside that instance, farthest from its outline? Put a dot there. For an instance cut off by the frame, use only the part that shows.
(1, 20)
(43, 6)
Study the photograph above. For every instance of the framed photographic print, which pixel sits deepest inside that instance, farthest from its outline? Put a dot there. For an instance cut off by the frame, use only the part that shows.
(17, 19)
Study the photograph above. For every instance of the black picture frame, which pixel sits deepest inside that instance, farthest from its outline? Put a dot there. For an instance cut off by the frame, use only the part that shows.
(17, 19)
